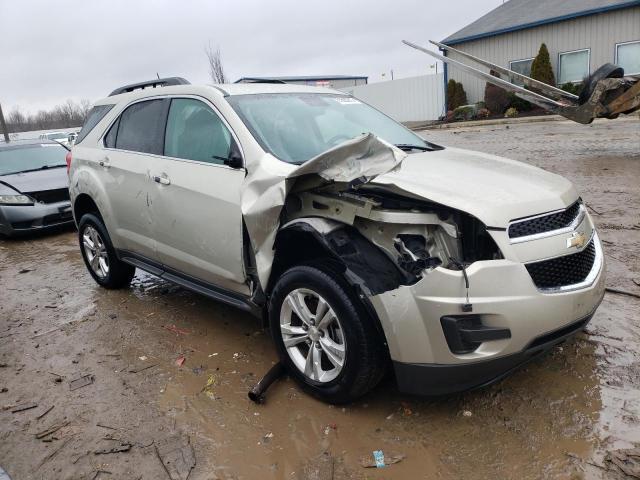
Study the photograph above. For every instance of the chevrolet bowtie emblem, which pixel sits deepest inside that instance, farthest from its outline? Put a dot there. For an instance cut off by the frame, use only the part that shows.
(577, 240)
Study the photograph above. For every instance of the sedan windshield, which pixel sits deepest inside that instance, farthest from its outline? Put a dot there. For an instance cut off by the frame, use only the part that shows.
(296, 127)
(31, 158)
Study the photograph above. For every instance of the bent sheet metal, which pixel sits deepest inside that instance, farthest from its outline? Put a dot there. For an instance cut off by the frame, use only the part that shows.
(270, 180)
(607, 92)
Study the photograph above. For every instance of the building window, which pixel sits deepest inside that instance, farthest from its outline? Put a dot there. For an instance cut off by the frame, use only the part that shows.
(522, 67)
(573, 66)
(628, 57)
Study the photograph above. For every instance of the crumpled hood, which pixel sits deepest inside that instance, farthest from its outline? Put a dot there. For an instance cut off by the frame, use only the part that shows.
(50, 179)
(493, 189)
(269, 181)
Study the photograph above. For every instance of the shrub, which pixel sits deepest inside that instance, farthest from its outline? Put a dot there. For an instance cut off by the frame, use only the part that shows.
(483, 113)
(496, 99)
(456, 96)
(541, 69)
(575, 88)
(511, 112)
(465, 112)
(519, 103)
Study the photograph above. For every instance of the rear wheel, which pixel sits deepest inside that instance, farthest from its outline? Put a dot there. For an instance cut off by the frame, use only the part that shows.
(324, 336)
(100, 256)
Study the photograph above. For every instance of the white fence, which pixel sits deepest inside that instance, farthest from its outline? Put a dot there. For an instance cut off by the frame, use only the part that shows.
(406, 99)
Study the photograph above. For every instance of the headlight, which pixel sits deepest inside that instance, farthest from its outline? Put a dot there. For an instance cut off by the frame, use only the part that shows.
(15, 200)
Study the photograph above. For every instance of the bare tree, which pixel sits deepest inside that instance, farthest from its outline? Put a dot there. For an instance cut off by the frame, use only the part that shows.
(216, 70)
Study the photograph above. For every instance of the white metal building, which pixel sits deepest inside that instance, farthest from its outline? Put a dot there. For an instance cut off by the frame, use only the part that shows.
(581, 35)
(330, 81)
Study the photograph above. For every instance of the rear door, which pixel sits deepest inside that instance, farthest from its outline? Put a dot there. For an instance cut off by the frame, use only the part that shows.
(132, 142)
(197, 216)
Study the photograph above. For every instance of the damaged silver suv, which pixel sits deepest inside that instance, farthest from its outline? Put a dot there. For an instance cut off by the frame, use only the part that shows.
(361, 245)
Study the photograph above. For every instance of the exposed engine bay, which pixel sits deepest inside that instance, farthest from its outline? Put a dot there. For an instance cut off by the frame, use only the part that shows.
(416, 235)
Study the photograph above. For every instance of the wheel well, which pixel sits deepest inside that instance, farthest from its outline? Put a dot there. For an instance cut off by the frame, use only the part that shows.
(294, 247)
(298, 245)
(84, 204)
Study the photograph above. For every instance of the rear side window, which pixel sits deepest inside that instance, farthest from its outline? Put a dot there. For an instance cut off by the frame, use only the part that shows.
(95, 115)
(196, 132)
(110, 137)
(141, 127)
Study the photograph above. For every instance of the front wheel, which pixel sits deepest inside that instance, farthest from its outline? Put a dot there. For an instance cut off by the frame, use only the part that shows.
(100, 256)
(324, 336)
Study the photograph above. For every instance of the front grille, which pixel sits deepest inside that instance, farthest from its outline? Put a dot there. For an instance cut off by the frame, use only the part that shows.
(546, 223)
(562, 271)
(50, 196)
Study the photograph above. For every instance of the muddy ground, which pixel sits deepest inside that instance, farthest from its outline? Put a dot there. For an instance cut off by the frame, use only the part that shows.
(556, 418)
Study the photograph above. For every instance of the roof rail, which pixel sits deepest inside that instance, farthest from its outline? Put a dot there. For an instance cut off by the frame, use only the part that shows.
(259, 80)
(157, 82)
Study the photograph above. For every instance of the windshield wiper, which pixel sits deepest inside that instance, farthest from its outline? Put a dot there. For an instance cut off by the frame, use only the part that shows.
(44, 167)
(409, 146)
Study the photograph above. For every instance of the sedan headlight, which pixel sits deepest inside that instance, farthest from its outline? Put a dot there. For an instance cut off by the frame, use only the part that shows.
(15, 200)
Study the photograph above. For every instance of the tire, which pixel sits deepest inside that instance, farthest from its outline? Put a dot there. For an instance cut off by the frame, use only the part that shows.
(347, 327)
(117, 273)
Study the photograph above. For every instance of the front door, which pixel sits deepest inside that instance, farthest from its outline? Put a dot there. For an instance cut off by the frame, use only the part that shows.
(197, 215)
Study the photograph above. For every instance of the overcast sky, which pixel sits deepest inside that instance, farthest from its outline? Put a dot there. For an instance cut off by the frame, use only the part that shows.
(53, 51)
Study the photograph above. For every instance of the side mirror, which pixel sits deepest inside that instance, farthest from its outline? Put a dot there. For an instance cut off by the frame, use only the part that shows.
(235, 159)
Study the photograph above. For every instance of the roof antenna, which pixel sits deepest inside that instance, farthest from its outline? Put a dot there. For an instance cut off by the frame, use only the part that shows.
(158, 75)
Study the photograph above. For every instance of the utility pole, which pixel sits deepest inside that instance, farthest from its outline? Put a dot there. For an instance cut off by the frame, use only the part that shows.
(3, 125)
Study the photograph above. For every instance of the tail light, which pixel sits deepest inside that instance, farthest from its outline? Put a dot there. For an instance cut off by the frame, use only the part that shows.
(68, 160)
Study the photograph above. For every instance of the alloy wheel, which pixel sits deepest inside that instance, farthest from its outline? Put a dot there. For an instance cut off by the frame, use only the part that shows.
(312, 335)
(96, 252)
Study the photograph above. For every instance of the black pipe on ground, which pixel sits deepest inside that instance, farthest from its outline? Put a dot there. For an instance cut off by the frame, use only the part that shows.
(256, 394)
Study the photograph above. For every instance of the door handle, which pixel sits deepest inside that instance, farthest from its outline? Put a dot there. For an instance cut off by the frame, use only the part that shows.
(162, 179)
(104, 162)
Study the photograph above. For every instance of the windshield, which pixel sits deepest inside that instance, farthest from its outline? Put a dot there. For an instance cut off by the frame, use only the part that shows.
(33, 157)
(298, 126)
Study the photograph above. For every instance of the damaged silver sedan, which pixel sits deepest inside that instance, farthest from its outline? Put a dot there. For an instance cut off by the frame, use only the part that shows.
(361, 245)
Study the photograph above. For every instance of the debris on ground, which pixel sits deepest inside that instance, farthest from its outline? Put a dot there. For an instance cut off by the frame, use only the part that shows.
(180, 360)
(52, 429)
(141, 369)
(45, 412)
(256, 394)
(177, 456)
(406, 411)
(208, 387)
(199, 370)
(622, 292)
(121, 447)
(26, 270)
(626, 460)
(174, 329)
(267, 438)
(80, 382)
(467, 413)
(143, 358)
(54, 453)
(23, 406)
(378, 459)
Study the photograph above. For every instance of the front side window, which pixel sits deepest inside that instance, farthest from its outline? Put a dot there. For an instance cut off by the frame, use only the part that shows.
(141, 127)
(628, 57)
(296, 127)
(574, 66)
(196, 132)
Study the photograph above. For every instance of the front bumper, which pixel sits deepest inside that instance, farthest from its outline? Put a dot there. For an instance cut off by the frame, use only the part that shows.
(20, 219)
(436, 379)
(503, 296)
